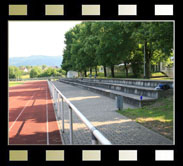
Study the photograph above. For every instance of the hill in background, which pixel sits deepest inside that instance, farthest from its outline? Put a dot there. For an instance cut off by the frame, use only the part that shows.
(36, 61)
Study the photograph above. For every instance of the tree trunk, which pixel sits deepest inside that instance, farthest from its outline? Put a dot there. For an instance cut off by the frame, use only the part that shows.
(91, 71)
(96, 71)
(147, 67)
(126, 70)
(85, 73)
(105, 71)
(147, 62)
(112, 71)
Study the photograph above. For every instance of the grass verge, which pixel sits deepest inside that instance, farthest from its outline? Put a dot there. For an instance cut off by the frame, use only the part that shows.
(27, 76)
(157, 116)
(15, 83)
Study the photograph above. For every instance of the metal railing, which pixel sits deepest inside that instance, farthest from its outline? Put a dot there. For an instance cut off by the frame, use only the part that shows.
(96, 136)
(37, 78)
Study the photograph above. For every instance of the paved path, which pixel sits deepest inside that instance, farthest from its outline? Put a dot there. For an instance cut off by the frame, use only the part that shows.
(31, 115)
(101, 112)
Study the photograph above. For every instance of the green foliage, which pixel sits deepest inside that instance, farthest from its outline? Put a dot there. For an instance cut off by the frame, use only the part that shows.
(157, 38)
(52, 72)
(137, 63)
(35, 72)
(49, 72)
(14, 72)
(44, 67)
(91, 44)
(169, 62)
(61, 71)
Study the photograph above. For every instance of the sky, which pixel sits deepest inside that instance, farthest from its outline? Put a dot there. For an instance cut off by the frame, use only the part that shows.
(27, 38)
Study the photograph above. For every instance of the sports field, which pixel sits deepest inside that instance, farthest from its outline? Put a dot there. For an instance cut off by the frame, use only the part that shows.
(31, 115)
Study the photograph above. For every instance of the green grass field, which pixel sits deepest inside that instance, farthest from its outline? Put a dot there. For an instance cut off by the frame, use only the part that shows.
(15, 83)
(162, 78)
(156, 75)
(157, 116)
(25, 76)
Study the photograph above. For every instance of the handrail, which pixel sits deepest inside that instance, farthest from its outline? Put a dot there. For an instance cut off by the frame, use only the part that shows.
(96, 135)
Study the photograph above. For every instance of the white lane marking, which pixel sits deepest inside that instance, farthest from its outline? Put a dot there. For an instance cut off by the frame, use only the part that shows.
(58, 121)
(47, 118)
(21, 111)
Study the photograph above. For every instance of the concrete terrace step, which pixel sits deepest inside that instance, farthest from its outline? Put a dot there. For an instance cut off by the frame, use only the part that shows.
(127, 98)
(135, 82)
(130, 89)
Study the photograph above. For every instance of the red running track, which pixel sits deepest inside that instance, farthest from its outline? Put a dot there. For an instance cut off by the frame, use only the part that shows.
(31, 116)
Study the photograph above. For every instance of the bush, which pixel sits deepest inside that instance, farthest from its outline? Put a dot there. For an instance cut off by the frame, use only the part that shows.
(35, 72)
(52, 72)
(14, 72)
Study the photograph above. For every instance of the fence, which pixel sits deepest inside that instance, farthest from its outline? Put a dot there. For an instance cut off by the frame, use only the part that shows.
(96, 136)
(38, 78)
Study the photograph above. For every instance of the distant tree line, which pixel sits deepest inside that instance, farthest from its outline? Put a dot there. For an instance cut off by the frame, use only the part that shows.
(92, 44)
(34, 71)
(15, 72)
(38, 72)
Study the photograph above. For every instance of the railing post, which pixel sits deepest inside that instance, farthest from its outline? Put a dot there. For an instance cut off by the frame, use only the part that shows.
(71, 126)
(94, 140)
(56, 99)
(62, 107)
(58, 111)
(53, 94)
(52, 91)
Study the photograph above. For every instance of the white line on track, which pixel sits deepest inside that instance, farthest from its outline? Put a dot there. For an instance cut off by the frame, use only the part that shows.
(21, 111)
(47, 117)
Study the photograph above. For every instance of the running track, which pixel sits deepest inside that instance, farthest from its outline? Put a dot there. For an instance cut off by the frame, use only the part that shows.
(31, 115)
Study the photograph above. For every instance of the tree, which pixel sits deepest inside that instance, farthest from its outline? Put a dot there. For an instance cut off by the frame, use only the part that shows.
(137, 61)
(125, 44)
(154, 36)
(90, 43)
(14, 72)
(28, 67)
(79, 53)
(44, 67)
(66, 63)
(35, 72)
(110, 43)
(114, 45)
